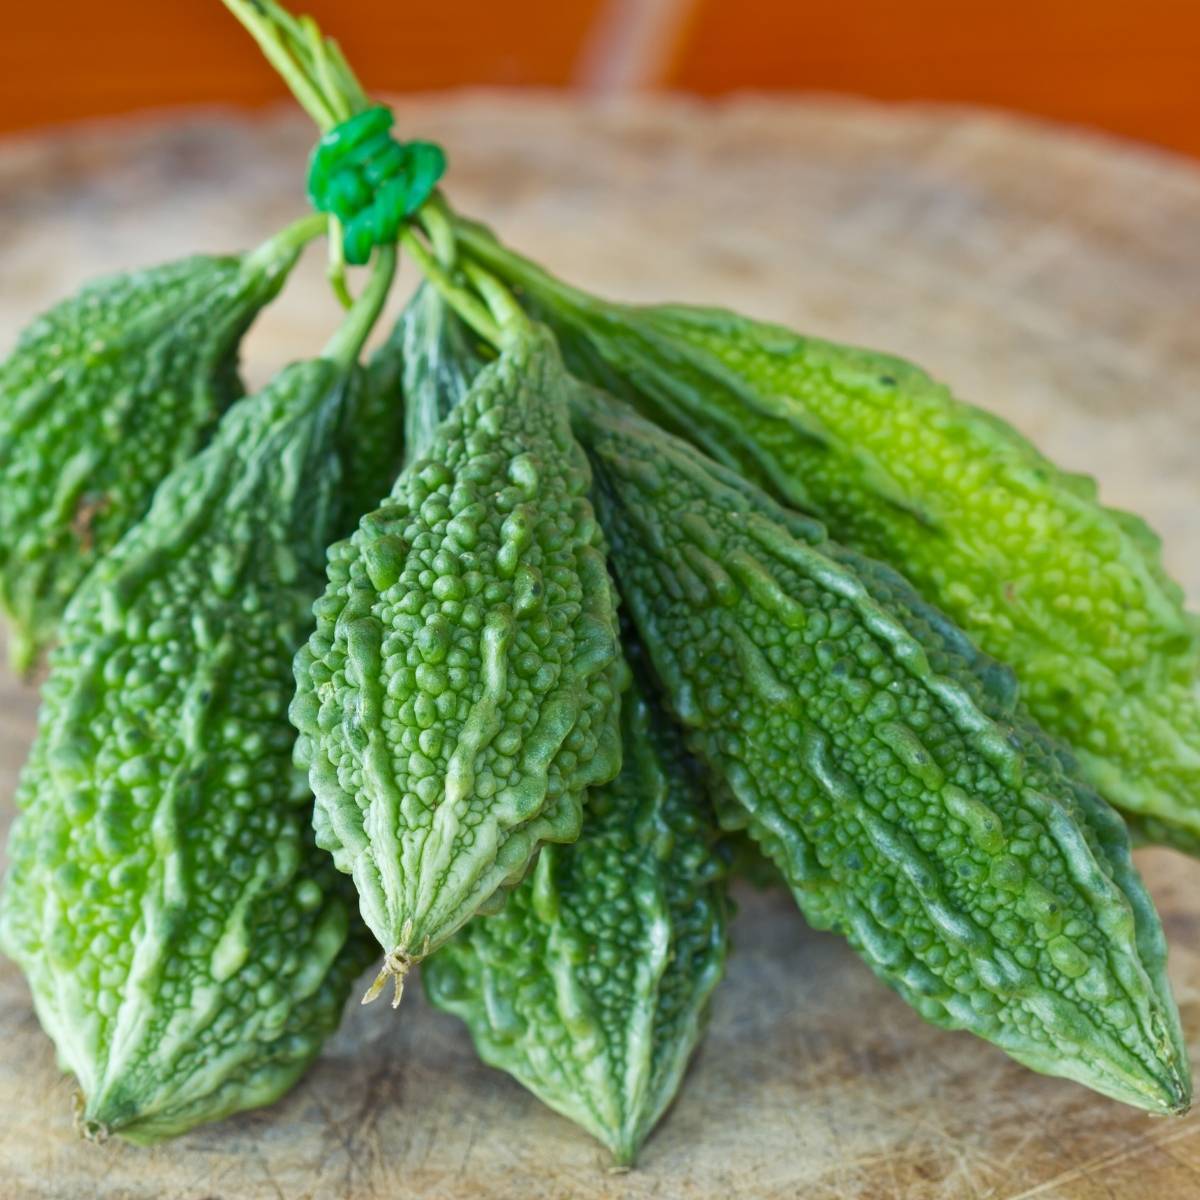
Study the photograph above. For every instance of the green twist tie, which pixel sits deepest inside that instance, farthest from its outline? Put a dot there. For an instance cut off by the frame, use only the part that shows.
(370, 181)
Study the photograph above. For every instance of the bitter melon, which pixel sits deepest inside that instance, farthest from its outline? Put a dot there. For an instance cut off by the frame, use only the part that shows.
(460, 691)
(592, 984)
(429, 354)
(1074, 595)
(442, 357)
(372, 442)
(884, 766)
(102, 397)
(187, 944)
(748, 862)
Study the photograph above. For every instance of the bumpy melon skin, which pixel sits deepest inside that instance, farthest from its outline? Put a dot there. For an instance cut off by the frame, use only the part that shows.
(187, 944)
(885, 767)
(460, 692)
(591, 985)
(1016, 550)
(102, 397)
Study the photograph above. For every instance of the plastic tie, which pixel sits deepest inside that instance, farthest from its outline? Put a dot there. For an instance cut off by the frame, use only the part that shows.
(371, 182)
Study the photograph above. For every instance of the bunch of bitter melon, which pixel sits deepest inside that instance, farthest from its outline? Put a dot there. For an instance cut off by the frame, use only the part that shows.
(506, 648)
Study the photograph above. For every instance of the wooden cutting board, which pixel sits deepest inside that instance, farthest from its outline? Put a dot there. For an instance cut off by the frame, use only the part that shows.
(1050, 276)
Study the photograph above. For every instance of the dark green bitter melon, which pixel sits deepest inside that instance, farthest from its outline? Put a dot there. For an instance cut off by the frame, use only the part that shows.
(460, 691)
(592, 984)
(101, 398)
(1019, 552)
(419, 373)
(441, 359)
(187, 944)
(372, 443)
(884, 766)
(748, 862)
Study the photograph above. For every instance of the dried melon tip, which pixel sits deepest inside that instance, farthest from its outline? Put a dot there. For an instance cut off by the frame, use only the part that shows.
(87, 1127)
(396, 965)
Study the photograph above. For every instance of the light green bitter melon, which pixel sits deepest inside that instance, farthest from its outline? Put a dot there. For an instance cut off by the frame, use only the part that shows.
(104, 395)
(460, 691)
(1020, 553)
(591, 985)
(884, 766)
(187, 944)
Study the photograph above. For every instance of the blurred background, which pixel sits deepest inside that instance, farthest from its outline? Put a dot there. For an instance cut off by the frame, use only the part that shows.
(1128, 68)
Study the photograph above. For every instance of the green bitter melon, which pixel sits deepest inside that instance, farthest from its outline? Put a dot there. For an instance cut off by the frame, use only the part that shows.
(104, 395)
(1020, 553)
(460, 691)
(442, 356)
(413, 379)
(187, 944)
(591, 985)
(883, 765)
(372, 438)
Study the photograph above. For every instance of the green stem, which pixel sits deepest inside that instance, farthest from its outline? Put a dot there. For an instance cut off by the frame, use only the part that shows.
(437, 220)
(335, 270)
(499, 299)
(483, 247)
(349, 81)
(462, 301)
(312, 65)
(346, 343)
(263, 24)
(288, 241)
(319, 60)
(322, 58)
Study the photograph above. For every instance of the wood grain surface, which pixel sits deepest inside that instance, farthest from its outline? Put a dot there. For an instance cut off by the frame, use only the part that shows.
(1053, 278)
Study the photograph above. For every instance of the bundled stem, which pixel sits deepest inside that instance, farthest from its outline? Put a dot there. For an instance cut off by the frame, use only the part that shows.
(311, 64)
(322, 82)
(326, 87)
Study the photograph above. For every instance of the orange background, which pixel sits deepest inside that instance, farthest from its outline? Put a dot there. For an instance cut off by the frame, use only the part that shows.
(1129, 66)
